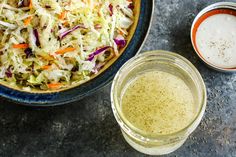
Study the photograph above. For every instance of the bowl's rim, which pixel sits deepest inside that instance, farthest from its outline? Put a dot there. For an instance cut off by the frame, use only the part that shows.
(35, 103)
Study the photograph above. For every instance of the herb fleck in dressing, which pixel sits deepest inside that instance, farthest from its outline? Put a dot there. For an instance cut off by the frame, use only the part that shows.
(158, 103)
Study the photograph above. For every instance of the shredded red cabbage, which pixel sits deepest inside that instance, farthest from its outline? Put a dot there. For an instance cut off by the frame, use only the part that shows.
(131, 6)
(36, 35)
(120, 42)
(23, 3)
(32, 67)
(8, 72)
(48, 6)
(111, 9)
(91, 56)
(28, 52)
(75, 68)
(64, 34)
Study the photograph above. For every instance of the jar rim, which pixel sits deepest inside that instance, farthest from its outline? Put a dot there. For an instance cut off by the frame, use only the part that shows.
(137, 133)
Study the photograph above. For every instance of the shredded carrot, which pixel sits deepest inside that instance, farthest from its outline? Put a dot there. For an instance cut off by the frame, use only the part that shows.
(31, 4)
(130, 0)
(99, 14)
(62, 16)
(46, 67)
(28, 20)
(20, 46)
(54, 85)
(69, 49)
(120, 32)
(66, 23)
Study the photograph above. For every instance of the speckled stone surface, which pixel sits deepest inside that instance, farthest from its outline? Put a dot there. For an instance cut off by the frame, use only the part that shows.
(88, 128)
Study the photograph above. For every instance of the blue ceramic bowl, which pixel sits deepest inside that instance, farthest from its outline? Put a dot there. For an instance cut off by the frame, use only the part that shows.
(81, 91)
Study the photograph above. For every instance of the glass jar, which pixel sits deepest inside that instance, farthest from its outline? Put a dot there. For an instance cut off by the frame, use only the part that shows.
(154, 144)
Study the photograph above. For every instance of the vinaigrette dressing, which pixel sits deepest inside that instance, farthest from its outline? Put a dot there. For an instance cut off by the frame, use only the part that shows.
(158, 103)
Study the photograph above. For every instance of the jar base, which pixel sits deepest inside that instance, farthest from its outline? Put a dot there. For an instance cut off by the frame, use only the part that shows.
(158, 150)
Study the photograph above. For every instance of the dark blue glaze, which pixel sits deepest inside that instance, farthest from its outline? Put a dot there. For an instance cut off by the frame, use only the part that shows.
(77, 93)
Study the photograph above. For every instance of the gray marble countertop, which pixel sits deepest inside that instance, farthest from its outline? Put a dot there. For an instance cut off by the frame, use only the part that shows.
(88, 128)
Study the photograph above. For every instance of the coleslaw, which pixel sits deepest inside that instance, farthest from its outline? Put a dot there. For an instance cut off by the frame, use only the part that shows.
(50, 44)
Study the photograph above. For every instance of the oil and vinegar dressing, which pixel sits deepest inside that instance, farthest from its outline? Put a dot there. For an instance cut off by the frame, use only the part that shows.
(157, 102)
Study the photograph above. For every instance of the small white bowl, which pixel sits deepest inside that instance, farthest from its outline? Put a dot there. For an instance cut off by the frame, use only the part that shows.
(217, 8)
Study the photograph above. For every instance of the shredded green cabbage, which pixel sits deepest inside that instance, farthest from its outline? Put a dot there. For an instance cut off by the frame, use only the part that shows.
(48, 44)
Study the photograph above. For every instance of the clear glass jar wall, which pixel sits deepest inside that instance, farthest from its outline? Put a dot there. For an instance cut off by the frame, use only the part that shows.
(172, 63)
